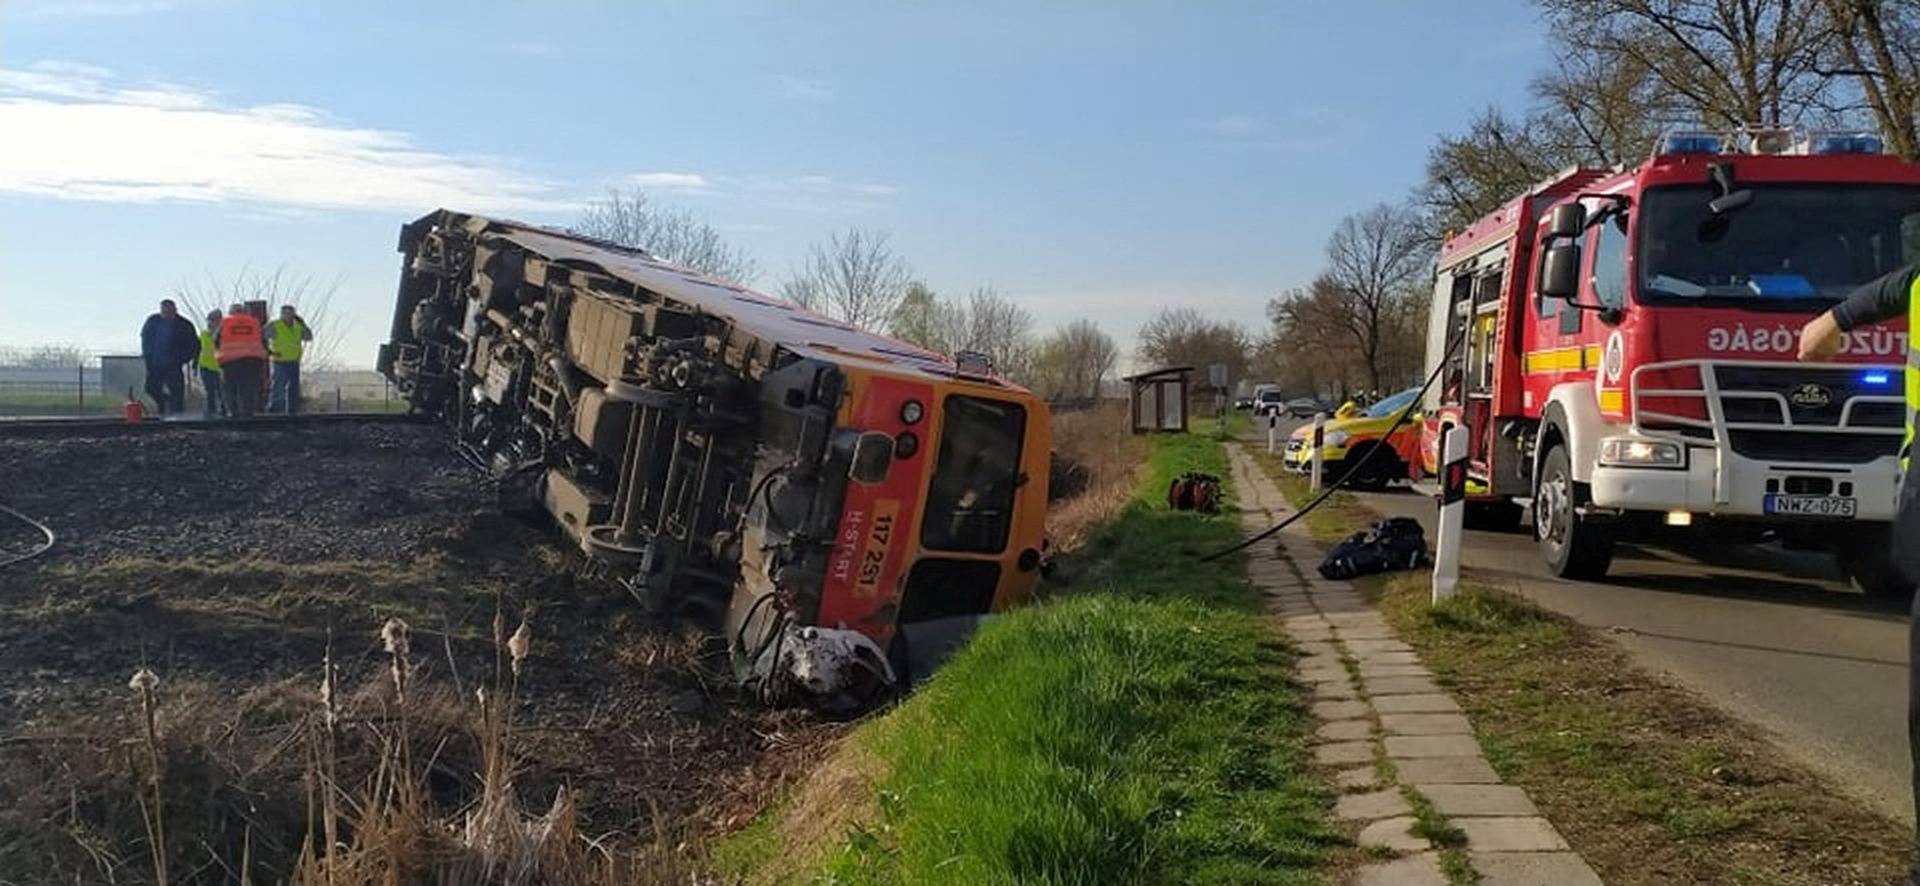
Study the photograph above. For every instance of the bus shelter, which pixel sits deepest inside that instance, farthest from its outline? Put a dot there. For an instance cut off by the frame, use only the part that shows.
(1159, 399)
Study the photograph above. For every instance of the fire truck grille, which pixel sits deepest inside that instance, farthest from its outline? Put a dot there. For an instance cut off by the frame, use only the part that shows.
(1768, 395)
(1813, 445)
(1784, 412)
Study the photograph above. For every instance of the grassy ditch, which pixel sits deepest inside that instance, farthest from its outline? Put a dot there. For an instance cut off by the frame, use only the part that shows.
(1139, 727)
(1649, 782)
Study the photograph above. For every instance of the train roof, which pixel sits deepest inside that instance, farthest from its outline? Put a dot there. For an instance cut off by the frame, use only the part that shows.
(766, 316)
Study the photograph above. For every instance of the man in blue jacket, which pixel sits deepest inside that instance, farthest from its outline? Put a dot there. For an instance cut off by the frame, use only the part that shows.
(168, 342)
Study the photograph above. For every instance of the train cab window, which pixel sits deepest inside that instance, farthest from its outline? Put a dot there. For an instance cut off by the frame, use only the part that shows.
(1609, 276)
(970, 499)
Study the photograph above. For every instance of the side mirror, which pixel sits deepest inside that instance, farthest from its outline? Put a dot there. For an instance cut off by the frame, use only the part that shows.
(1568, 220)
(1560, 272)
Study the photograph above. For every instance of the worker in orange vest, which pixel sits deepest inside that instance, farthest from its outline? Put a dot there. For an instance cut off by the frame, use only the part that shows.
(242, 352)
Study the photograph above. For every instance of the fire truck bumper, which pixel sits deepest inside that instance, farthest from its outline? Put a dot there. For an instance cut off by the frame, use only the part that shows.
(1716, 482)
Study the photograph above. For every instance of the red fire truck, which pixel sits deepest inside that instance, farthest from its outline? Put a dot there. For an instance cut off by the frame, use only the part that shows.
(1620, 346)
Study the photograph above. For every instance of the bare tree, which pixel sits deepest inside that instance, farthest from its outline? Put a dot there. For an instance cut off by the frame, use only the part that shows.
(1472, 174)
(1074, 361)
(630, 219)
(1596, 110)
(311, 296)
(1000, 329)
(917, 319)
(855, 276)
(1731, 62)
(1185, 337)
(1377, 261)
(1877, 42)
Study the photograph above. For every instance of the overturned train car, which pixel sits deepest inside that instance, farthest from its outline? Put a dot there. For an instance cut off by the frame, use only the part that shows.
(842, 503)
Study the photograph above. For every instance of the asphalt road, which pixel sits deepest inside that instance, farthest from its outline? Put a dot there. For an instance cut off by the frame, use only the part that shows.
(1773, 636)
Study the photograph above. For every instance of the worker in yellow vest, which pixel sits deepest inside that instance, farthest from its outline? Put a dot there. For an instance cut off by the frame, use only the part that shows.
(1887, 298)
(209, 364)
(286, 338)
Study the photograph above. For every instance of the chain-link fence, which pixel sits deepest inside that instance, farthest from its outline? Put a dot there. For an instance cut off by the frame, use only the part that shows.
(62, 380)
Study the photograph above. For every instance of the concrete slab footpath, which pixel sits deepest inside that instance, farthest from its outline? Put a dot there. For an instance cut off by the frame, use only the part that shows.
(1386, 728)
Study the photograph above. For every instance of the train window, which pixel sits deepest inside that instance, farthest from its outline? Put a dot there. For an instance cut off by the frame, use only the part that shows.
(970, 499)
(872, 455)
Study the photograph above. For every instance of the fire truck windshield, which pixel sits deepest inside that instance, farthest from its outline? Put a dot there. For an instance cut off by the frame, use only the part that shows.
(1792, 242)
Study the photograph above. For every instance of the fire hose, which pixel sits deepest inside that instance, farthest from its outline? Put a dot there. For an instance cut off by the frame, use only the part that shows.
(1352, 470)
(44, 547)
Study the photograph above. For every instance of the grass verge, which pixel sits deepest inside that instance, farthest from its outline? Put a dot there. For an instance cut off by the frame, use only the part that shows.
(1139, 727)
(1649, 782)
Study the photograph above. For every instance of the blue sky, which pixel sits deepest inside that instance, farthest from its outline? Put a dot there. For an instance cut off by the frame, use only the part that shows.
(1087, 159)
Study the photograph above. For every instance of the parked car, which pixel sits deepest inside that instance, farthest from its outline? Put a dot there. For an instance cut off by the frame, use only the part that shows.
(1305, 407)
(1270, 402)
(1243, 404)
(1348, 440)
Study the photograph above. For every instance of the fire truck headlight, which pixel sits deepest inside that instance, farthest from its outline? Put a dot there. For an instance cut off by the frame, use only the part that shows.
(1639, 453)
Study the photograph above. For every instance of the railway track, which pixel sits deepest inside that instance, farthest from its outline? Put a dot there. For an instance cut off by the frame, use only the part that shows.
(21, 426)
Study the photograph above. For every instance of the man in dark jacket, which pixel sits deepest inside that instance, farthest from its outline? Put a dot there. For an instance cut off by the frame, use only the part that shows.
(167, 342)
(1894, 295)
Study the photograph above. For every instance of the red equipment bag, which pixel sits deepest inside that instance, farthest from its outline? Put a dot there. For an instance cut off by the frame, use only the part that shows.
(1194, 491)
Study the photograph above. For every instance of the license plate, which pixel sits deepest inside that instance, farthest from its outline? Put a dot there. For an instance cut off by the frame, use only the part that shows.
(1811, 505)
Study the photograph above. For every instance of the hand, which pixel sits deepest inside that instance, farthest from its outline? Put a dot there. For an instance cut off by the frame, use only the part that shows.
(1820, 338)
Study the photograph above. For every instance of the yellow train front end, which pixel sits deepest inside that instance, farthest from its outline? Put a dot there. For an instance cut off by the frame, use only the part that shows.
(950, 526)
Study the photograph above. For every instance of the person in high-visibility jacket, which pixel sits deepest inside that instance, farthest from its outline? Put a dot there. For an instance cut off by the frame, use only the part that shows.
(243, 355)
(1894, 295)
(209, 365)
(286, 338)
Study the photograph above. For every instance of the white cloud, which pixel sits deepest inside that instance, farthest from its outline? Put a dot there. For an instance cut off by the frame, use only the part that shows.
(1236, 125)
(74, 133)
(806, 89)
(669, 181)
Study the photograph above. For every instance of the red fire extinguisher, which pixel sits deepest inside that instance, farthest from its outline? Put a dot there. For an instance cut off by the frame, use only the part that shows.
(134, 410)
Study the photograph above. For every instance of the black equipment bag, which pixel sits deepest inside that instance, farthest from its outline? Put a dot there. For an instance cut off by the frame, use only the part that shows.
(1393, 543)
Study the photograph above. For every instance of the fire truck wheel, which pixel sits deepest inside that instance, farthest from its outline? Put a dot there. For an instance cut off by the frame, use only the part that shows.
(1494, 516)
(1573, 547)
(1867, 559)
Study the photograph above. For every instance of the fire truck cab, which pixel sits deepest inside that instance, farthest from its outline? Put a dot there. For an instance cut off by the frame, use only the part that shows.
(1620, 346)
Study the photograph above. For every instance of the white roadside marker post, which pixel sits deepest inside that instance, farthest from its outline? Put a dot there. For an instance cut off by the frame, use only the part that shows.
(1453, 508)
(1319, 440)
(1273, 430)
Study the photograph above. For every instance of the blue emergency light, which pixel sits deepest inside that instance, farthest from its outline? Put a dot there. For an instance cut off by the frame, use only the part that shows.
(1847, 144)
(1692, 143)
(1874, 377)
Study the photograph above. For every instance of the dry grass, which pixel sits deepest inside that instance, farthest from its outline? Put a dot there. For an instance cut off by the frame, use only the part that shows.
(399, 779)
(1097, 462)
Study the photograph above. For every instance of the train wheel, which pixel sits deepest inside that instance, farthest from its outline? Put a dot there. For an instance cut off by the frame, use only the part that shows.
(1574, 547)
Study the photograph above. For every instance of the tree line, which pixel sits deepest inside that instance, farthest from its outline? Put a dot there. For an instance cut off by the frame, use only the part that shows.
(858, 277)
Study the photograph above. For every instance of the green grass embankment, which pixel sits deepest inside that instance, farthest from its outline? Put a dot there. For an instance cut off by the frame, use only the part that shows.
(1139, 727)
